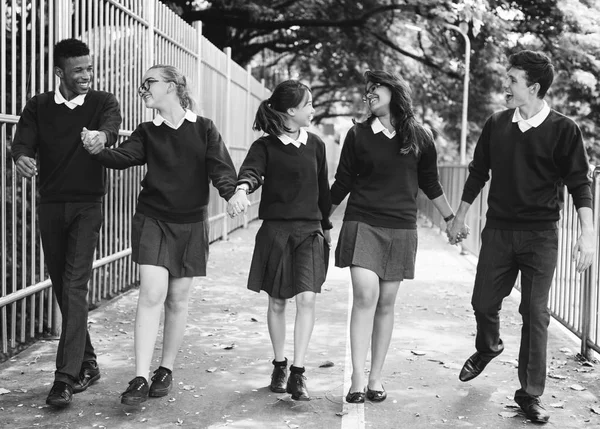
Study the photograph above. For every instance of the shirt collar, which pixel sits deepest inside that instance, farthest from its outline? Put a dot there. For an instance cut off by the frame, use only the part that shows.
(378, 127)
(302, 138)
(189, 115)
(71, 104)
(533, 122)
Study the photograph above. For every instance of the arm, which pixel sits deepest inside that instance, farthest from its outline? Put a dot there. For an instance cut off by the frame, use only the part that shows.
(479, 168)
(219, 164)
(585, 247)
(250, 178)
(346, 171)
(108, 131)
(25, 142)
(131, 152)
(324, 191)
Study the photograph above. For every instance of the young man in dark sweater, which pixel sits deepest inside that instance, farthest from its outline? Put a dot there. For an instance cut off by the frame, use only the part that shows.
(531, 151)
(71, 187)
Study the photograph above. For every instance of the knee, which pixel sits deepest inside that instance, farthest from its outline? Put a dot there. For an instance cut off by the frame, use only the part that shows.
(364, 299)
(306, 301)
(151, 298)
(385, 306)
(276, 306)
(176, 304)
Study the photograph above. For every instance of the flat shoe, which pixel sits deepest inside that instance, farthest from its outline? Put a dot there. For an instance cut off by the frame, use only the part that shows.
(376, 395)
(355, 397)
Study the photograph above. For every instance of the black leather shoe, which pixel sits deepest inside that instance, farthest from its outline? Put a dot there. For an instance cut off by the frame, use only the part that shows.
(355, 397)
(533, 408)
(279, 378)
(89, 374)
(472, 367)
(296, 386)
(162, 380)
(60, 395)
(136, 393)
(376, 395)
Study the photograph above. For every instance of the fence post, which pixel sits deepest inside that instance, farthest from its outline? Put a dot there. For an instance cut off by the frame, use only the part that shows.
(248, 135)
(62, 30)
(198, 27)
(227, 130)
(590, 278)
(149, 49)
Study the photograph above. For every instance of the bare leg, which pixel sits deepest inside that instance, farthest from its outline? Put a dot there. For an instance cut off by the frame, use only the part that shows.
(176, 312)
(154, 282)
(276, 324)
(305, 321)
(365, 287)
(382, 330)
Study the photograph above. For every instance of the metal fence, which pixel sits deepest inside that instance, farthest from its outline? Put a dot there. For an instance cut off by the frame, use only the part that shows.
(574, 297)
(125, 37)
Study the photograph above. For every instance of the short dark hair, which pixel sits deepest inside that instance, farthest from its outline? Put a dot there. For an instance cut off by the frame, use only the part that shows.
(69, 48)
(537, 68)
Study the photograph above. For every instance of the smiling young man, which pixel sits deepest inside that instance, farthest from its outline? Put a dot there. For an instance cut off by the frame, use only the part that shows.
(71, 187)
(532, 151)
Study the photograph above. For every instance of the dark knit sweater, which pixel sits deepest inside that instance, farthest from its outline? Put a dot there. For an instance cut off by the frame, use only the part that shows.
(181, 163)
(383, 184)
(67, 172)
(528, 171)
(294, 180)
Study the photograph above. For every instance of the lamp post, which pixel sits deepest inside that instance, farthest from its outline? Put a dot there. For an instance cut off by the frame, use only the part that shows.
(465, 103)
(465, 106)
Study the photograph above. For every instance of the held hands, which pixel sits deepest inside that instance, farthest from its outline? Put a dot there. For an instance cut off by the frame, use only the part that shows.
(238, 203)
(26, 166)
(93, 141)
(457, 230)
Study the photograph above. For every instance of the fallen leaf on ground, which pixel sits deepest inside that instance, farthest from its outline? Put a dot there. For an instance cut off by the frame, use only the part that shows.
(326, 364)
(508, 414)
(577, 387)
(417, 353)
(4, 391)
(229, 347)
(342, 413)
(558, 405)
(211, 369)
(594, 410)
(557, 376)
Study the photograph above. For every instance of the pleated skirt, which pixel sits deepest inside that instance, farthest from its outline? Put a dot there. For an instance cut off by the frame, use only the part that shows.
(289, 257)
(390, 253)
(181, 248)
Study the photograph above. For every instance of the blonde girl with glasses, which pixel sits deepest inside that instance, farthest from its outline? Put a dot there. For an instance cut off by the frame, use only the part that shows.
(384, 162)
(183, 153)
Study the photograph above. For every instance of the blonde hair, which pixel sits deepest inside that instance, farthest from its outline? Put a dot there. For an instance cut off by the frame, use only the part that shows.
(174, 75)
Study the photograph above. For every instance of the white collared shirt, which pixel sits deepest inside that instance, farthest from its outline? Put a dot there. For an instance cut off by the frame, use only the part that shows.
(302, 139)
(71, 104)
(533, 122)
(189, 115)
(378, 127)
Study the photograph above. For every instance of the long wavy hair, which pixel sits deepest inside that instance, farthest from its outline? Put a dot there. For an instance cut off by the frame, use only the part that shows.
(414, 137)
(272, 112)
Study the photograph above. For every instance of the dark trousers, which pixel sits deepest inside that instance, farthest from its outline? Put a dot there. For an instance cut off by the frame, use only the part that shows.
(69, 233)
(505, 253)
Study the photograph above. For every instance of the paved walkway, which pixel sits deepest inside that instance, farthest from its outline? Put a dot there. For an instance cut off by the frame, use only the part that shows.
(223, 368)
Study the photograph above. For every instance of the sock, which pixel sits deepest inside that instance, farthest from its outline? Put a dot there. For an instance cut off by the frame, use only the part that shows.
(166, 369)
(281, 363)
(297, 370)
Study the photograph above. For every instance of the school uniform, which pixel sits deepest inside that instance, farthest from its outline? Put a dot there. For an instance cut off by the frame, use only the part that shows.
(530, 161)
(290, 253)
(379, 232)
(170, 226)
(71, 187)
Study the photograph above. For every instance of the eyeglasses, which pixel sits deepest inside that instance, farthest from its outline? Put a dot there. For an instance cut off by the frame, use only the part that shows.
(145, 87)
(370, 91)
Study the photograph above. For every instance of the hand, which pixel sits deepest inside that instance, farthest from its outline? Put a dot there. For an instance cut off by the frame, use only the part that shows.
(238, 203)
(584, 250)
(327, 235)
(457, 230)
(93, 141)
(26, 166)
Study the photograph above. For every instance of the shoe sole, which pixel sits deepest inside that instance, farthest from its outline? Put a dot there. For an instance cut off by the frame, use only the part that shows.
(133, 401)
(83, 389)
(157, 393)
(277, 389)
(299, 398)
(60, 404)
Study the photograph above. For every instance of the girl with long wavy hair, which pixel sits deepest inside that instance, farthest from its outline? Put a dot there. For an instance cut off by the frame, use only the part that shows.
(384, 162)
